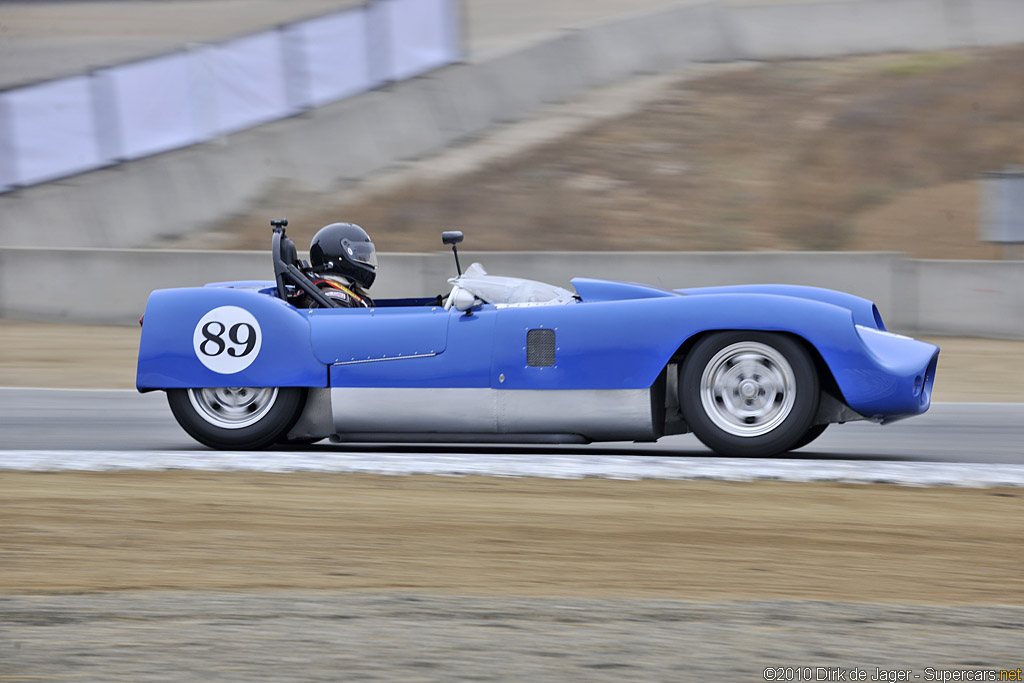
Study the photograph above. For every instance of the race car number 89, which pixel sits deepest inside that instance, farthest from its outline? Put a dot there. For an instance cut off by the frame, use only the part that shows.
(227, 339)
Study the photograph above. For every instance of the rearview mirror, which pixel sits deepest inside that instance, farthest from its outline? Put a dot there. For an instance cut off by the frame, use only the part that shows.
(453, 237)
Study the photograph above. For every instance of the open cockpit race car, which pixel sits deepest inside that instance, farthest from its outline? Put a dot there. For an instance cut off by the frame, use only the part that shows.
(750, 370)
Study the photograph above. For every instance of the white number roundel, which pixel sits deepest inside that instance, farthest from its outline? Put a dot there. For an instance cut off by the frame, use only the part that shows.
(227, 339)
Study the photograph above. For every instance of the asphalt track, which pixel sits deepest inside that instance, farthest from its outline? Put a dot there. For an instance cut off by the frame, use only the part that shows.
(125, 421)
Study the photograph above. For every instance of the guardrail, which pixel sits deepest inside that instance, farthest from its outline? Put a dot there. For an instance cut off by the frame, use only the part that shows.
(66, 126)
(969, 298)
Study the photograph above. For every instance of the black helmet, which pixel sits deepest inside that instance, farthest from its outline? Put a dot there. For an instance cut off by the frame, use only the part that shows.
(345, 249)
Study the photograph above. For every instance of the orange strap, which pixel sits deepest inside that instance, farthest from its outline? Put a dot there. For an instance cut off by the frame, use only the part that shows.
(343, 288)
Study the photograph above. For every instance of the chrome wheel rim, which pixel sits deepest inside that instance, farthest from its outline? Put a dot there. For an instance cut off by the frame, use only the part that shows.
(233, 407)
(748, 389)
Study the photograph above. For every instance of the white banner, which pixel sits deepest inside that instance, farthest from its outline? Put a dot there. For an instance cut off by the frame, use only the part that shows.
(152, 102)
(328, 58)
(52, 130)
(64, 127)
(7, 177)
(240, 84)
(422, 34)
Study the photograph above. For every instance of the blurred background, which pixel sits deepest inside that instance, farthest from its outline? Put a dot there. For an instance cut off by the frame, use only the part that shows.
(132, 130)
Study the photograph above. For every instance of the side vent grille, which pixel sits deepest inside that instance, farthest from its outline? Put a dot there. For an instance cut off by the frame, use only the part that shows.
(540, 348)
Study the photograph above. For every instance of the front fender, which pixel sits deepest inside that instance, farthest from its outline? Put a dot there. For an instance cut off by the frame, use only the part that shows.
(626, 344)
(864, 311)
(172, 353)
(880, 375)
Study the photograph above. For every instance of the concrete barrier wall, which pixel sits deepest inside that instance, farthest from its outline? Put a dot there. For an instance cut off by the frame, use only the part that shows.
(132, 204)
(991, 22)
(838, 28)
(971, 298)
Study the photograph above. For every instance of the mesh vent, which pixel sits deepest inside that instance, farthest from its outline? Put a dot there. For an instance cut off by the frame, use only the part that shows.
(540, 348)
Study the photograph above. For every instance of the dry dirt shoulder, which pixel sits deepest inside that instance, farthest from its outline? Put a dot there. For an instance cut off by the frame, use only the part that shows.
(81, 532)
(104, 357)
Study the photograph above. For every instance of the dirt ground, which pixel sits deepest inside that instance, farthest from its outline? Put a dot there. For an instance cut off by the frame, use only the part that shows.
(83, 532)
(182, 576)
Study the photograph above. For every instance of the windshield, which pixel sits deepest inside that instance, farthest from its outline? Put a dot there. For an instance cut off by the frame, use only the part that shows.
(494, 289)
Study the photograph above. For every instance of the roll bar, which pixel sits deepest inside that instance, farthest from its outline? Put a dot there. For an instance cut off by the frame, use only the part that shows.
(286, 258)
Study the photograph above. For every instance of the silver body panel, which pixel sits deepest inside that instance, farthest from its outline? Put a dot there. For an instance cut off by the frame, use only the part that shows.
(450, 438)
(595, 414)
(497, 416)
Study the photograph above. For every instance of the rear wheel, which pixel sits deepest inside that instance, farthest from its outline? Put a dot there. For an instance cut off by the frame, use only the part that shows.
(749, 394)
(237, 417)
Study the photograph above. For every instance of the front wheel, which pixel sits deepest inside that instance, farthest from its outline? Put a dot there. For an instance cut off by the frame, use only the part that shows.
(749, 394)
(242, 418)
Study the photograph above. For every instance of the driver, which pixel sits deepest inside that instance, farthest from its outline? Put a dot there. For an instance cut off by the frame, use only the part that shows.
(344, 264)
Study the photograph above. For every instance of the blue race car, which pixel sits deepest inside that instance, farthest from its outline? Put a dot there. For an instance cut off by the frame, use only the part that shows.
(750, 370)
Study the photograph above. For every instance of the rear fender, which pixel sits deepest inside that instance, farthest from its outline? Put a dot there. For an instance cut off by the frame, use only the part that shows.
(213, 337)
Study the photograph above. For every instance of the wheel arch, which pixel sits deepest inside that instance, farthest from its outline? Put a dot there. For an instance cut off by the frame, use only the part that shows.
(826, 379)
(749, 392)
(229, 430)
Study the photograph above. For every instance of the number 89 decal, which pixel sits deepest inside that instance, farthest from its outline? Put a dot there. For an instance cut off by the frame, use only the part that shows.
(227, 339)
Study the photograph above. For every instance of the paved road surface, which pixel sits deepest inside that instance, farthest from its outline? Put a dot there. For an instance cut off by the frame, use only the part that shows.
(54, 419)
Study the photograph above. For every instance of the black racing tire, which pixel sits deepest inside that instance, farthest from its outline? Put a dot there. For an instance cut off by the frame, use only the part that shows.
(237, 418)
(749, 394)
(812, 434)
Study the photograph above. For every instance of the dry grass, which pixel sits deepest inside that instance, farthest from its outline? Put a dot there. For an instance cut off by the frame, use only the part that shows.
(490, 536)
(789, 155)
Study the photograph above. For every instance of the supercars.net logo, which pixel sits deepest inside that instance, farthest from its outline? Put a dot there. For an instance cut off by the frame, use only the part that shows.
(838, 673)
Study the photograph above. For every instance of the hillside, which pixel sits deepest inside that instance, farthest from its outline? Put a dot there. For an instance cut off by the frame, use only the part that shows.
(866, 153)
